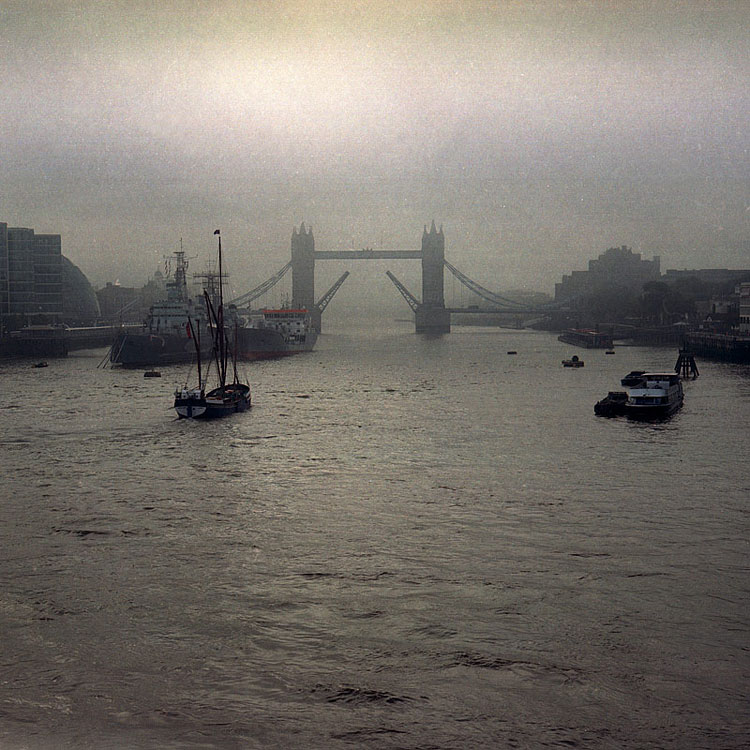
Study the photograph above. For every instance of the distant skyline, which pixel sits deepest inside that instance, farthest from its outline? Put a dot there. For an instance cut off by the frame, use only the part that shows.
(537, 133)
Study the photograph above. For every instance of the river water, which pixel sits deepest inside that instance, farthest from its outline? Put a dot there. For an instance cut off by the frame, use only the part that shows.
(408, 542)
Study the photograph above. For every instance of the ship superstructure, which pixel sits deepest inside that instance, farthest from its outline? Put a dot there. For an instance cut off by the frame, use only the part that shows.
(165, 336)
(278, 332)
(170, 315)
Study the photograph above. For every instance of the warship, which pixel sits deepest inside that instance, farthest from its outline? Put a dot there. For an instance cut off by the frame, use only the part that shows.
(166, 338)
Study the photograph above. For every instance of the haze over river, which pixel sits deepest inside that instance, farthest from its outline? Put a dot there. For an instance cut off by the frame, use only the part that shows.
(408, 542)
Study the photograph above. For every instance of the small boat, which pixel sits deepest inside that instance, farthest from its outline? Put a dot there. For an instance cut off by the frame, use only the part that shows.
(655, 396)
(613, 405)
(573, 362)
(512, 351)
(152, 374)
(227, 397)
(40, 364)
(610, 351)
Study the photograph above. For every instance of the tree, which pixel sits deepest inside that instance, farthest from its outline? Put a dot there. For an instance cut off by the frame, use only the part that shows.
(653, 301)
(662, 304)
(610, 303)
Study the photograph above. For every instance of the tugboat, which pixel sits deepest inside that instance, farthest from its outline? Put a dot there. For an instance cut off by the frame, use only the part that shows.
(611, 406)
(227, 397)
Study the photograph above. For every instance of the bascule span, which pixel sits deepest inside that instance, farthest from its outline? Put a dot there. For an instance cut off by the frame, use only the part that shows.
(367, 254)
(430, 312)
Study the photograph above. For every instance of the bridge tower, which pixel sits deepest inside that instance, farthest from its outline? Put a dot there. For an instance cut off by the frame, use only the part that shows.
(431, 316)
(303, 272)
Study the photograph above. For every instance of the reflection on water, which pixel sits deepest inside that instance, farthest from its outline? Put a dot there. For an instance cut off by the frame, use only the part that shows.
(407, 543)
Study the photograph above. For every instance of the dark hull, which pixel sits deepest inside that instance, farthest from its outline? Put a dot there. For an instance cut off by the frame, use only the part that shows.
(647, 413)
(147, 349)
(265, 343)
(586, 339)
(611, 406)
(235, 398)
(143, 349)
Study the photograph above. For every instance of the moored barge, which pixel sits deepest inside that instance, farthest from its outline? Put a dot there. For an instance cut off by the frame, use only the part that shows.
(586, 338)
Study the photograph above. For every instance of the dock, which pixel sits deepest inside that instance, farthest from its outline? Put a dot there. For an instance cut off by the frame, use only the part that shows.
(57, 341)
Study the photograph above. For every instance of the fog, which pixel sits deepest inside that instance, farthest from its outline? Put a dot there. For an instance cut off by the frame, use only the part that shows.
(537, 133)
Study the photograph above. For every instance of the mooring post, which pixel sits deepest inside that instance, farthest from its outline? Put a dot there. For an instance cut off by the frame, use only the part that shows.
(685, 366)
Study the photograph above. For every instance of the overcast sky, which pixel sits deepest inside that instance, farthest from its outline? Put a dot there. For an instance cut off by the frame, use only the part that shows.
(538, 133)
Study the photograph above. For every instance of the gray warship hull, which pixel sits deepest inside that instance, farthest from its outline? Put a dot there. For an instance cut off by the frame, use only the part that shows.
(146, 349)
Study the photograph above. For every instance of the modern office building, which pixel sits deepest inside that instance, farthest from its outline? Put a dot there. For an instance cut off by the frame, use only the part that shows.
(31, 277)
(743, 291)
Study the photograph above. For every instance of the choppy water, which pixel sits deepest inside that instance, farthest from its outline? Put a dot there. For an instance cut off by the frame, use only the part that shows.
(407, 543)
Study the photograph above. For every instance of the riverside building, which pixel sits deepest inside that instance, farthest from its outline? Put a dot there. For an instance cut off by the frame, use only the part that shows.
(617, 266)
(744, 295)
(31, 277)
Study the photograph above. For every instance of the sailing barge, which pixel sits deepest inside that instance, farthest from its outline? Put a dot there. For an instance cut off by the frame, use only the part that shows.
(227, 397)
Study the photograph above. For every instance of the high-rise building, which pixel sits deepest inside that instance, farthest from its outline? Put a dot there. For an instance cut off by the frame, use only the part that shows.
(31, 281)
(743, 291)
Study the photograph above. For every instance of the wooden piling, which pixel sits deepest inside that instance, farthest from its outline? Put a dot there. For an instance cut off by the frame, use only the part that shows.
(685, 366)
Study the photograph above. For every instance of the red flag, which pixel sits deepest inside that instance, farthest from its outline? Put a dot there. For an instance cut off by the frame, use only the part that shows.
(187, 327)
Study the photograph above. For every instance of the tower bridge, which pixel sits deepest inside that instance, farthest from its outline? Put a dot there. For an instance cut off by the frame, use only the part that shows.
(430, 313)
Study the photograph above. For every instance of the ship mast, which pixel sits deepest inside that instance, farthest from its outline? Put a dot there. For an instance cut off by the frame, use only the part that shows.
(220, 320)
(195, 333)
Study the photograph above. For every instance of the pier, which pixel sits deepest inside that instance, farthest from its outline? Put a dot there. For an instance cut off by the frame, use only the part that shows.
(723, 346)
(57, 341)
